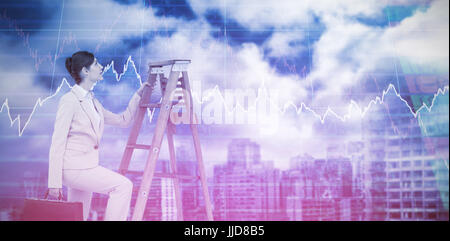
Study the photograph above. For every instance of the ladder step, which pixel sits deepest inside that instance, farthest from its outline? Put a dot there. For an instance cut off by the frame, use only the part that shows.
(139, 146)
(158, 105)
(166, 175)
(153, 105)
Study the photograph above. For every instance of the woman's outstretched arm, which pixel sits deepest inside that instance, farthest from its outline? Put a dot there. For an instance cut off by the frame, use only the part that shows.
(125, 118)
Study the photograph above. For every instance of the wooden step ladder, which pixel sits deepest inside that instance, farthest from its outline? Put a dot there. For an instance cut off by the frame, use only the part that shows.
(169, 88)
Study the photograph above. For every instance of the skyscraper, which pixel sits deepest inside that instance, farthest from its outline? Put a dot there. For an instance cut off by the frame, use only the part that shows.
(245, 188)
(242, 152)
(191, 193)
(318, 189)
(407, 181)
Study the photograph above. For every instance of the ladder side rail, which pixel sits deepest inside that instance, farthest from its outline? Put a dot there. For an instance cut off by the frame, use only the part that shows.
(156, 144)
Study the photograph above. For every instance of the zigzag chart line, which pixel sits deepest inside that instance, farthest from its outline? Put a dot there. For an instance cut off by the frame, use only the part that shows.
(353, 106)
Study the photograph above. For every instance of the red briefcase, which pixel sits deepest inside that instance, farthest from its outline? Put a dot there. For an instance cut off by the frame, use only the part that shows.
(51, 210)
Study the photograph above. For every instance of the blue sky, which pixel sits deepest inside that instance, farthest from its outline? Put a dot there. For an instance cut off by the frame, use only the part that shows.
(320, 53)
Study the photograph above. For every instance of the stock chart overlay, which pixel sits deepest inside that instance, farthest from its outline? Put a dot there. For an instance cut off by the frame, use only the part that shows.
(307, 110)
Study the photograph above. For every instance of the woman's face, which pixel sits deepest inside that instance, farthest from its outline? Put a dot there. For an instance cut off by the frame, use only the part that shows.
(95, 72)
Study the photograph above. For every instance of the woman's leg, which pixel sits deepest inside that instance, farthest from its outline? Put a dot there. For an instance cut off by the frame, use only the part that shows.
(105, 181)
(85, 197)
(77, 195)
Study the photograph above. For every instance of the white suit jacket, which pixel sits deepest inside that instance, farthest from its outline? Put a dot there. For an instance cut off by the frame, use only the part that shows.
(77, 134)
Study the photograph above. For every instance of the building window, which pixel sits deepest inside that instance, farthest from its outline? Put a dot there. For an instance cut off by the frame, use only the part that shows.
(406, 195)
(430, 205)
(406, 174)
(431, 194)
(418, 194)
(405, 141)
(406, 184)
(393, 195)
(418, 163)
(417, 174)
(394, 175)
(407, 205)
(406, 153)
(393, 154)
(429, 163)
(417, 183)
(419, 215)
(394, 205)
(418, 204)
(428, 152)
(406, 163)
(432, 216)
(393, 142)
(429, 173)
(394, 215)
(394, 185)
(443, 216)
(393, 164)
(430, 183)
(407, 215)
(416, 140)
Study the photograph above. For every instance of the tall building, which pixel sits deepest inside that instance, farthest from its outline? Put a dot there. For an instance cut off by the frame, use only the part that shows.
(192, 195)
(374, 129)
(243, 152)
(318, 189)
(357, 154)
(417, 180)
(407, 180)
(168, 203)
(245, 188)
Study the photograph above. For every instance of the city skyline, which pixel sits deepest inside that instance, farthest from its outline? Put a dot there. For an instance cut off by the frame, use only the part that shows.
(308, 201)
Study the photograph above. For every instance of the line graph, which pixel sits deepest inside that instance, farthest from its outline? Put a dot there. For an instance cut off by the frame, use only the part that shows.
(69, 39)
(353, 107)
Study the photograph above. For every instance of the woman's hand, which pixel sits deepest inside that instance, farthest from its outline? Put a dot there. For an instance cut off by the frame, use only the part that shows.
(140, 91)
(55, 192)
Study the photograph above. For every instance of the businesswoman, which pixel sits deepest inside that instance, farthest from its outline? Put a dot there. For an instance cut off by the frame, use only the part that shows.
(74, 155)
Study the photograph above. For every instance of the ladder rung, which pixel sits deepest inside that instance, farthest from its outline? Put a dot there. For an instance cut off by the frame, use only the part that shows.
(170, 175)
(166, 175)
(140, 146)
(157, 105)
(169, 62)
(152, 105)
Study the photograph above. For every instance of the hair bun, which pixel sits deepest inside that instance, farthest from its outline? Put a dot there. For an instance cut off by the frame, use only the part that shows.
(69, 64)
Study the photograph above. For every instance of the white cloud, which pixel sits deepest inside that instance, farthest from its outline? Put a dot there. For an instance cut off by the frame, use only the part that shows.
(285, 43)
(287, 13)
(348, 49)
(424, 38)
(345, 51)
(108, 22)
(214, 63)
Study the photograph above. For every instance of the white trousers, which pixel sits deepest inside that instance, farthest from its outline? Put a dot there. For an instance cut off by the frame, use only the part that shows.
(82, 183)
